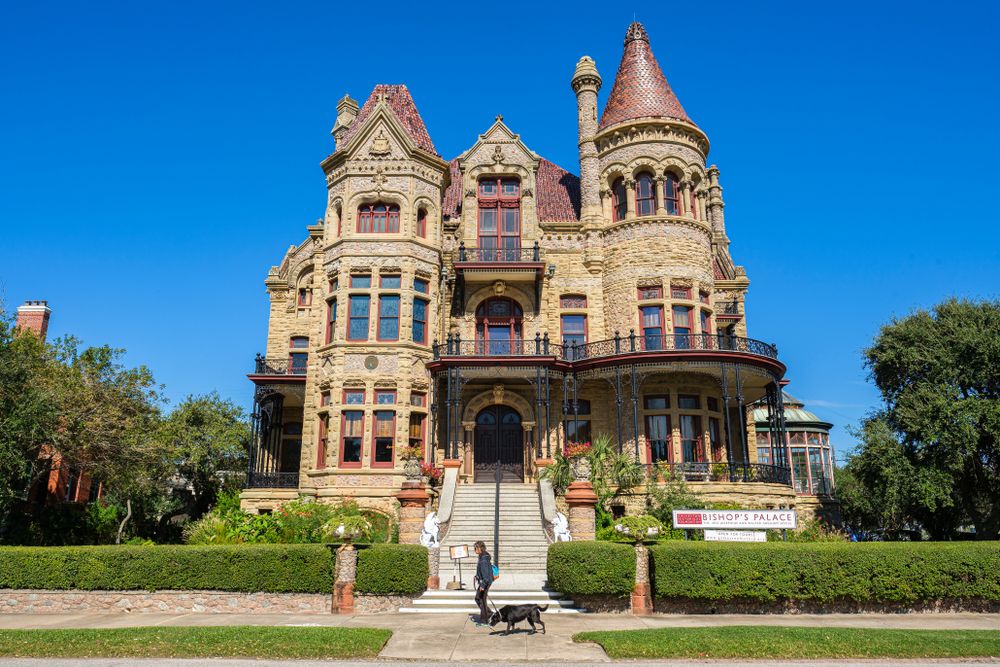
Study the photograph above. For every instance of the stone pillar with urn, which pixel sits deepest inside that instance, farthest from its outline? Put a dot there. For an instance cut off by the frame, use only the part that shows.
(582, 501)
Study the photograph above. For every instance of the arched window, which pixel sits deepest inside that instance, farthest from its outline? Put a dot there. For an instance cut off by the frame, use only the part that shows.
(378, 218)
(499, 327)
(671, 194)
(499, 219)
(422, 223)
(645, 194)
(619, 204)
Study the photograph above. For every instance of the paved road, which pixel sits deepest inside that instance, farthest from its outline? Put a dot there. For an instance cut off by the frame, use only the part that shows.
(104, 662)
(453, 637)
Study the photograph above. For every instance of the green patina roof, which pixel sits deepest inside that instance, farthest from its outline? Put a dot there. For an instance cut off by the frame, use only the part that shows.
(796, 416)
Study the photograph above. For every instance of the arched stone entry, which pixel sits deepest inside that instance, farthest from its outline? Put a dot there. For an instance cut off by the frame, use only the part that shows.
(499, 444)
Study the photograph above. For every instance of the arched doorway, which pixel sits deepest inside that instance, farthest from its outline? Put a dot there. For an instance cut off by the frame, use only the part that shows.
(499, 327)
(499, 444)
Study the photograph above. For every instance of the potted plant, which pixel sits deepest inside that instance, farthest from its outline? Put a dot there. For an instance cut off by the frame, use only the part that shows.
(577, 454)
(639, 529)
(411, 462)
(430, 474)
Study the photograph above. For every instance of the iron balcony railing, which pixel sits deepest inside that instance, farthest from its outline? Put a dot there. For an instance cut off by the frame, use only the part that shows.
(499, 255)
(283, 366)
(272, 480)
(692, 471)
(634, 343)
(727, 308)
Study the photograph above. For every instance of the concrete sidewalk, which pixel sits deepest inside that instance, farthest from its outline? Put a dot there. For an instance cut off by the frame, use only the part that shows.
(454, 637)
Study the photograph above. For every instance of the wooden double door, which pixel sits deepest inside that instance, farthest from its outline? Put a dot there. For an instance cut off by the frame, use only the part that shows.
(499, 445)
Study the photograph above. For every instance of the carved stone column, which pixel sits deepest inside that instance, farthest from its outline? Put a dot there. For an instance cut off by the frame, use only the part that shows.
(413, 499)
(642, 595)
(343, 587)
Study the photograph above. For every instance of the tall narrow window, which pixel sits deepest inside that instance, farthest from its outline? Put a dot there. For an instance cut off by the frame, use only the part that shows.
(652, 327)
(384, 439)
(378, 219)
(682, 327)
(619, 204)
(422, 223)
(714, 440)
(331, 318)
(574, 335)
(416, 431)
(658, 437)
(499, 219)
(578, 423)
(420, 321)
(706, 322)
(298, 361)
(388, 317)
(358, 317)
(321, 443)
(351, 432)
(420, 285)
(645, 194)
(671, 194)
(305, 296)
(499, 327)
(691, 438)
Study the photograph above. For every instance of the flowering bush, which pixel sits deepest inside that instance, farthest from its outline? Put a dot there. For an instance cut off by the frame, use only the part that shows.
(432, 474)
(410, 453)
(574, 449)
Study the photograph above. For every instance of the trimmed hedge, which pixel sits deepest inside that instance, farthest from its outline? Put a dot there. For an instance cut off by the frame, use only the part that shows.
(392, 569)
(880, 572)
(272, 568)
(591, 568)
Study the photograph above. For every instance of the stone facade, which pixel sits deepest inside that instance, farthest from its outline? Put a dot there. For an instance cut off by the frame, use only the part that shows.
(177, 602)
(491, 308)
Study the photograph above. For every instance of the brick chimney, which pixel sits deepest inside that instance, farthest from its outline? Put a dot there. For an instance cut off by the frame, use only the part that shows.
(34, 316)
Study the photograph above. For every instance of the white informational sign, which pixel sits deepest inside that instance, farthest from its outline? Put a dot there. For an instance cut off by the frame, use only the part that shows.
(735, 519)
(735, 535)
(459, 551)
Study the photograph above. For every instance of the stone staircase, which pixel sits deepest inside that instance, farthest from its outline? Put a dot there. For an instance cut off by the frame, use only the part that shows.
(522, 556)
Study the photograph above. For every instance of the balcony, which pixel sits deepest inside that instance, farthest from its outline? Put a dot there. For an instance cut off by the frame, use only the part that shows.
(760, 473)
(634, 344)
(728, 310)
(283, 369)
(524, 265)
(539, 347)
(272, 480)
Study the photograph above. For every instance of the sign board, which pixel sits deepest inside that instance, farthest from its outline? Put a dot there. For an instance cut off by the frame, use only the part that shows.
(735, 519)
(458, 552)
(735, 535)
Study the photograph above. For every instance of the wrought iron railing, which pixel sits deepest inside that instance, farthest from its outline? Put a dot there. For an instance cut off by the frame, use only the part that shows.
(720, 472)
(272, 480)
(285, 366)
(727, 308)
(539, 346)
(499, 255)
(641, 343)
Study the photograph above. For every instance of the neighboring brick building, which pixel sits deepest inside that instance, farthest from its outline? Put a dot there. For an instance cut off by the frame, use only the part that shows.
(493, 307)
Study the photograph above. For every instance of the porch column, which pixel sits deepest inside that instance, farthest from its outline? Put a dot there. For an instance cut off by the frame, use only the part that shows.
(635, 412)
(729, 425)
(450, 415)
(743, 422)
(618, 407)
(538, 411)
(548, 416)
(782, 433)
(468, 446)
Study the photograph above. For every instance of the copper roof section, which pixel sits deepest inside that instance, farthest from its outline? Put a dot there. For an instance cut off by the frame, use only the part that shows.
(640, 89)
(398, 98)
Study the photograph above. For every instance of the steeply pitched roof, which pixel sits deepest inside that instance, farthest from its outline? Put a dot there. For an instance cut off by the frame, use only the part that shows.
(558, 196)
(640, 89)
(453, 194)
(397, 96)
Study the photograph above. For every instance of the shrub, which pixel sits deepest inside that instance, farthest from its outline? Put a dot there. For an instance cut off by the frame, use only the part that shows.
(392, 569)
(828, 572)
(591, 568)
(246, 568)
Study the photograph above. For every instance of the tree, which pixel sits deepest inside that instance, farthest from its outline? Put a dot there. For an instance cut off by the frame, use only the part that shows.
(204, 438)
(939, 375)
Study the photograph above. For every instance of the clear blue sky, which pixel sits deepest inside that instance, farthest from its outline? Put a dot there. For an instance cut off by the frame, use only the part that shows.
(157, 158)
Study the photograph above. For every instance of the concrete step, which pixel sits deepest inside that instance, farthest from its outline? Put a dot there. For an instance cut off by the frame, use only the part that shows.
(463, 601)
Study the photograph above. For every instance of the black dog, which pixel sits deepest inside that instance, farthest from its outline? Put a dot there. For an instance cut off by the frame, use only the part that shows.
(514, 614)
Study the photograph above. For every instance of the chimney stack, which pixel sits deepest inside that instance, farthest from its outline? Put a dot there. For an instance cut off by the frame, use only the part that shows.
(347, 111)
(586, 82)
(34, 316)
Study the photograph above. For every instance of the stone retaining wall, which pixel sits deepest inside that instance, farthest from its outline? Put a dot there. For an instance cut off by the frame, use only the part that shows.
(380, 604)
(113, 602)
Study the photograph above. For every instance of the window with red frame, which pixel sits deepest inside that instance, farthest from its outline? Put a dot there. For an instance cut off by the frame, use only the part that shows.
(499, 218)
(418, 399)
(298, 361)
(680, 292)
(658, 438)
(361, 281)
(419, 329)
(385, 397)
(417, 430)
(682, 326)
(384, 438)
(651, 318)
(703, 297)
(577, 426)
(645, 194)
(299, 342)
(324, 398)
(706, 322)
(378, 218)
(619, 202)
(422, 223)
(390, 281)
(421, 285)
(357, 320)
(351, 433)
(388, 317)
(354, 397)
(305, 296)
(499, 329)
(333, 285)
(331, 318)
(691, 450)
(671, 194)
(574, 334)
(714, 439)
(652, 292)
(321, 443)
(573, 301)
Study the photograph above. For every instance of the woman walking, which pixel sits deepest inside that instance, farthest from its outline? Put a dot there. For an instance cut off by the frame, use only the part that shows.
(483, 580)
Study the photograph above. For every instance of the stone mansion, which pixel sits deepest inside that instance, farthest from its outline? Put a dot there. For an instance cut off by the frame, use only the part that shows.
(484, 311)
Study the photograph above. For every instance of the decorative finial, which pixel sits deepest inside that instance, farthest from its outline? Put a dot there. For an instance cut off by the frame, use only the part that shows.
(499, 117)
(636, 32)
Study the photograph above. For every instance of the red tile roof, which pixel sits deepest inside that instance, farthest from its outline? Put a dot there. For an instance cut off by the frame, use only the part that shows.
(640, 89)
(558, 195)
(453, 194)
(401, 104)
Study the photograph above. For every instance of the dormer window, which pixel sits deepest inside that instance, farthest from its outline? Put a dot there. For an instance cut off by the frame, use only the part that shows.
(645, 194)
(378, 218)
(499, 218)
(619, 203)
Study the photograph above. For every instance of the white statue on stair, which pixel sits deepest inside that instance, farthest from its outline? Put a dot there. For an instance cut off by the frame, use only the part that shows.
(429, 535)
(560, 528)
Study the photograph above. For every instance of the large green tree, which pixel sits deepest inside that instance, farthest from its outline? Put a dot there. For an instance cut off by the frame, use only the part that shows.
(939, 375)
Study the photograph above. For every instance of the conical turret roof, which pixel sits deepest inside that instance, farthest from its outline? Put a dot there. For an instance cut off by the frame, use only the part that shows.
(640, 89)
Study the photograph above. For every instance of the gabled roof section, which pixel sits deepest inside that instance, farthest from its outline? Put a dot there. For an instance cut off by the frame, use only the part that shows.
(400, 103)
(499, 130)
(453, 194)
(558, 193)
(640, 89)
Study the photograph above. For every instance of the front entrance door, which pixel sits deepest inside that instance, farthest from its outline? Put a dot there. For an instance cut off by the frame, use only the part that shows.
(499, 443)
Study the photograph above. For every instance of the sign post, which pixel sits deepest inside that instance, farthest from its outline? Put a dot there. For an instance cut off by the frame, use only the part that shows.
(457, 553)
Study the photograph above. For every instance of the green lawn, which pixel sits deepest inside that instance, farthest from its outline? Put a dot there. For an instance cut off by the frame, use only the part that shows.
(785, 642)
(202, 642)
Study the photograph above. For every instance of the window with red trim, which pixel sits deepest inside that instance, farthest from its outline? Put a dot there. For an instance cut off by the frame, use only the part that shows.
(331, 318)
(357, 327)
(652, 292)
(682, 326)
(703, 297)
(419, 328)
(645, 194)
(691, 439)
(651, 321)
(574, 333)
(573, 301)
(321, 443)
(680, 292)
(417, 431)
(422, 223)
(351, 433)
(384, 439)
(499, 217)
(354, 397)
(706, 322)
(385, 397)
(333, 285)
(388, 317)
(421, 285)
(305, 296)
(715, 439)
(499, 326)
(658, 446)
(418, 399)
(619, 203)
(378, 218)
(361, 281)
(671, 194)
(390, 282)
(299, 342)
(324, 398)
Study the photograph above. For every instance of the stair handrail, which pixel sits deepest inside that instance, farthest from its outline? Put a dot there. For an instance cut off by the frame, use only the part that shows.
(547, 498)
(447, 502)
